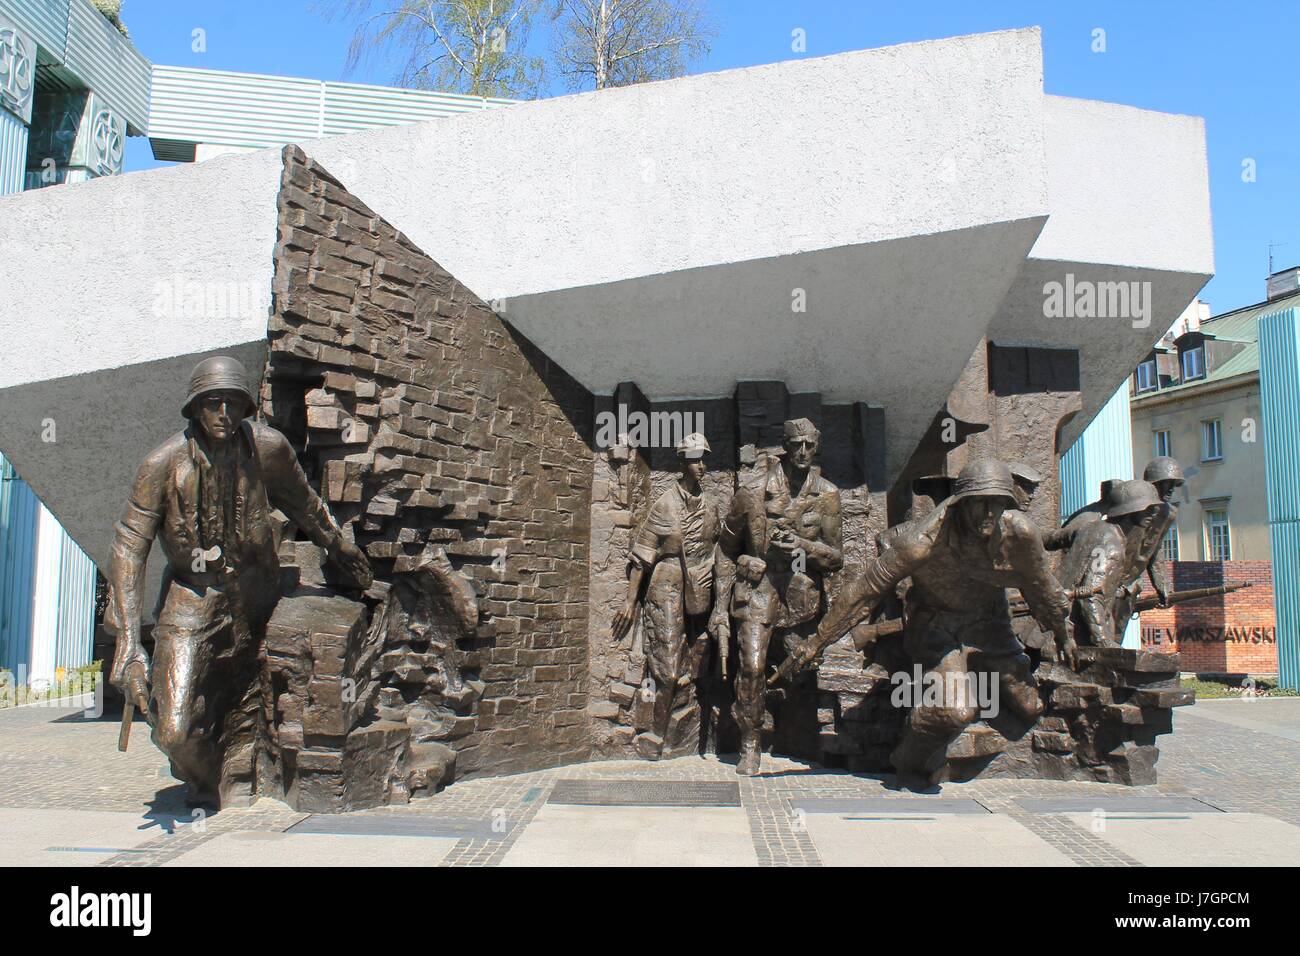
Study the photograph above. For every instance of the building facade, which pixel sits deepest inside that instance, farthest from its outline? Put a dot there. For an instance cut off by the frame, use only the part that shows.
(1197, 398)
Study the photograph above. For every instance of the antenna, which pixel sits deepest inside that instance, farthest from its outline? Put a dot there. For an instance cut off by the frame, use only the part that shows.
(1271, 247)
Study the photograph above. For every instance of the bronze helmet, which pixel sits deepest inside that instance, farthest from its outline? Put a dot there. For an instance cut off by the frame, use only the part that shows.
(985, 476)
(1131, 497)
(1163, 468)
(219, 373)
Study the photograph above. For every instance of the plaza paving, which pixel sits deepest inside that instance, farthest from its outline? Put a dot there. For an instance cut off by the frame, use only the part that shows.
(1229, 794)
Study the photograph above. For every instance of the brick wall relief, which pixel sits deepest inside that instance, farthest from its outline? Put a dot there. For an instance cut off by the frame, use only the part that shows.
(457, 456)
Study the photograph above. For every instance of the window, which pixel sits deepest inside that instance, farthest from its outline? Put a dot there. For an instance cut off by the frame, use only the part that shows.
(1211, 440)
(1164, 443)
(1169, 546)
(1194, 363)
(1218, 539)
(1146, 376)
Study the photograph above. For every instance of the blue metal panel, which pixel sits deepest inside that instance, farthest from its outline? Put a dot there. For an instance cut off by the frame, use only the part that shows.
(13, 153)
(1279, 389)
(1104, 450)
(18, 519)
(76, 633)
(46, 21)
(221, 108)
(106, 62)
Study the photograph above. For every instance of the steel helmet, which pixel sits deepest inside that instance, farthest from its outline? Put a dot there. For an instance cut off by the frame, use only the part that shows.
(693, 446)
(986, 476)
(1131, 497)
(1163, 468)
(1026, 475)
(216, 374)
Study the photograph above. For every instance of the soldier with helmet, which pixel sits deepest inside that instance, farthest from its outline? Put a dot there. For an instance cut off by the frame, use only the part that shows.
(961, 558)
(674, 547)
(1144, 551)
(1095, 567)
(206, 494)
(779, 540)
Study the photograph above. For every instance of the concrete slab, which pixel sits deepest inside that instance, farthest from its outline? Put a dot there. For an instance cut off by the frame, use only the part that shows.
(260, 848)
(562, 835)
(928, 840)
(1222, 839)
(62, 837)
(886, 806)
(1277, 716)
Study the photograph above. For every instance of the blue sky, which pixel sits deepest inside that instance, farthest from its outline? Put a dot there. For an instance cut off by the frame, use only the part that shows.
(1234, 64)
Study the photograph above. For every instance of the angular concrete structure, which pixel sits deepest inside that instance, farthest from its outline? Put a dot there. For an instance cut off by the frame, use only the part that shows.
(916, 199)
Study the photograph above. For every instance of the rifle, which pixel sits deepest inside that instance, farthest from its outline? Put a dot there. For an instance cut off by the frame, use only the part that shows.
(1192, 594)
(128, 715)
(863, 634)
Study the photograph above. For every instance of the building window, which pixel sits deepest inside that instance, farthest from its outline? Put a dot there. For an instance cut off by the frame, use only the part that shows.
(1164, 443)
(1218, 539)
(1169, 546)
(1146, 376)
(1194, 363)
(1212, 440)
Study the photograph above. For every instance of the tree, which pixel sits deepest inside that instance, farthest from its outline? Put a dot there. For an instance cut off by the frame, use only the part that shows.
(460, 46)
(620, 42)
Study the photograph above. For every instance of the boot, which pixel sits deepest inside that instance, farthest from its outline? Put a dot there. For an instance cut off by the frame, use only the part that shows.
(751, 754)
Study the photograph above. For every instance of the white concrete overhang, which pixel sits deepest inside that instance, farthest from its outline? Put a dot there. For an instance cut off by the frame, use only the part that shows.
(918, 195)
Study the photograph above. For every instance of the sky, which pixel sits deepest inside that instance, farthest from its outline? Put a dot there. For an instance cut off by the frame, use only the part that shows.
(1232, 63)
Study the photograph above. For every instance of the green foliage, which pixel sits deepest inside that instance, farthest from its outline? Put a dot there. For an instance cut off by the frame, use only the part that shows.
(1208, 689)
(112, 11)
(459, 46)
(621, 42)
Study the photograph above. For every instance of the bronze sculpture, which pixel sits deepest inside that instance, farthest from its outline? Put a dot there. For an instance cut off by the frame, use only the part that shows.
(675, 546)
(777, 544)
(961, 558)
(1097, 561)
(1166, 477)
(207, 493)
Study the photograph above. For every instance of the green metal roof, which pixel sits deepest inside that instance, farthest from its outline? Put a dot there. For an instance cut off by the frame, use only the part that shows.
(1240, 325)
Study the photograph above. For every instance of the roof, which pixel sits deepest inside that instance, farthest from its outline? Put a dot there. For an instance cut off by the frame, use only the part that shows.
(1241, 326)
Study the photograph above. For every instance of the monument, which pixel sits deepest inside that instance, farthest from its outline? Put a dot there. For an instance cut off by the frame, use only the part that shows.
(467, 576)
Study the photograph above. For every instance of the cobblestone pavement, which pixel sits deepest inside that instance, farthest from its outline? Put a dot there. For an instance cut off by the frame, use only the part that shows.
(61, 777)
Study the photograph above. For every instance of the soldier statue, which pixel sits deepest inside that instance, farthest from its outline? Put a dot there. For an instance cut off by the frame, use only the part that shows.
(780, 538)
(1097, 568)
(674, 546)
(1027, 479)
(1146, 554)
(207, 493)
(961, 558)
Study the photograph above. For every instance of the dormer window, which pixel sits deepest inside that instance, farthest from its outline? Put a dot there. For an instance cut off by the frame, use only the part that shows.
(1146, 376)
(1194, 363)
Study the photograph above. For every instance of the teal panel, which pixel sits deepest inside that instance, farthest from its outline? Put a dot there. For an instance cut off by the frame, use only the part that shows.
(76, 597)
(19, 508)
(13, 153)
(1279, 389)
(1104, 450)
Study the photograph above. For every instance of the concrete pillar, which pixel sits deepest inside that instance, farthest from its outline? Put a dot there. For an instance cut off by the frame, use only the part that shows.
(1104, 450)
(1279, 388)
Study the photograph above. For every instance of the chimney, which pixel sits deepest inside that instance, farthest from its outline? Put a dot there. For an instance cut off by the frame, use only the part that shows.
(1283, 283)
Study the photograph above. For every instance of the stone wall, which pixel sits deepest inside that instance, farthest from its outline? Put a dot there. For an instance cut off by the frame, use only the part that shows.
(427, 421)
(1232, 634)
